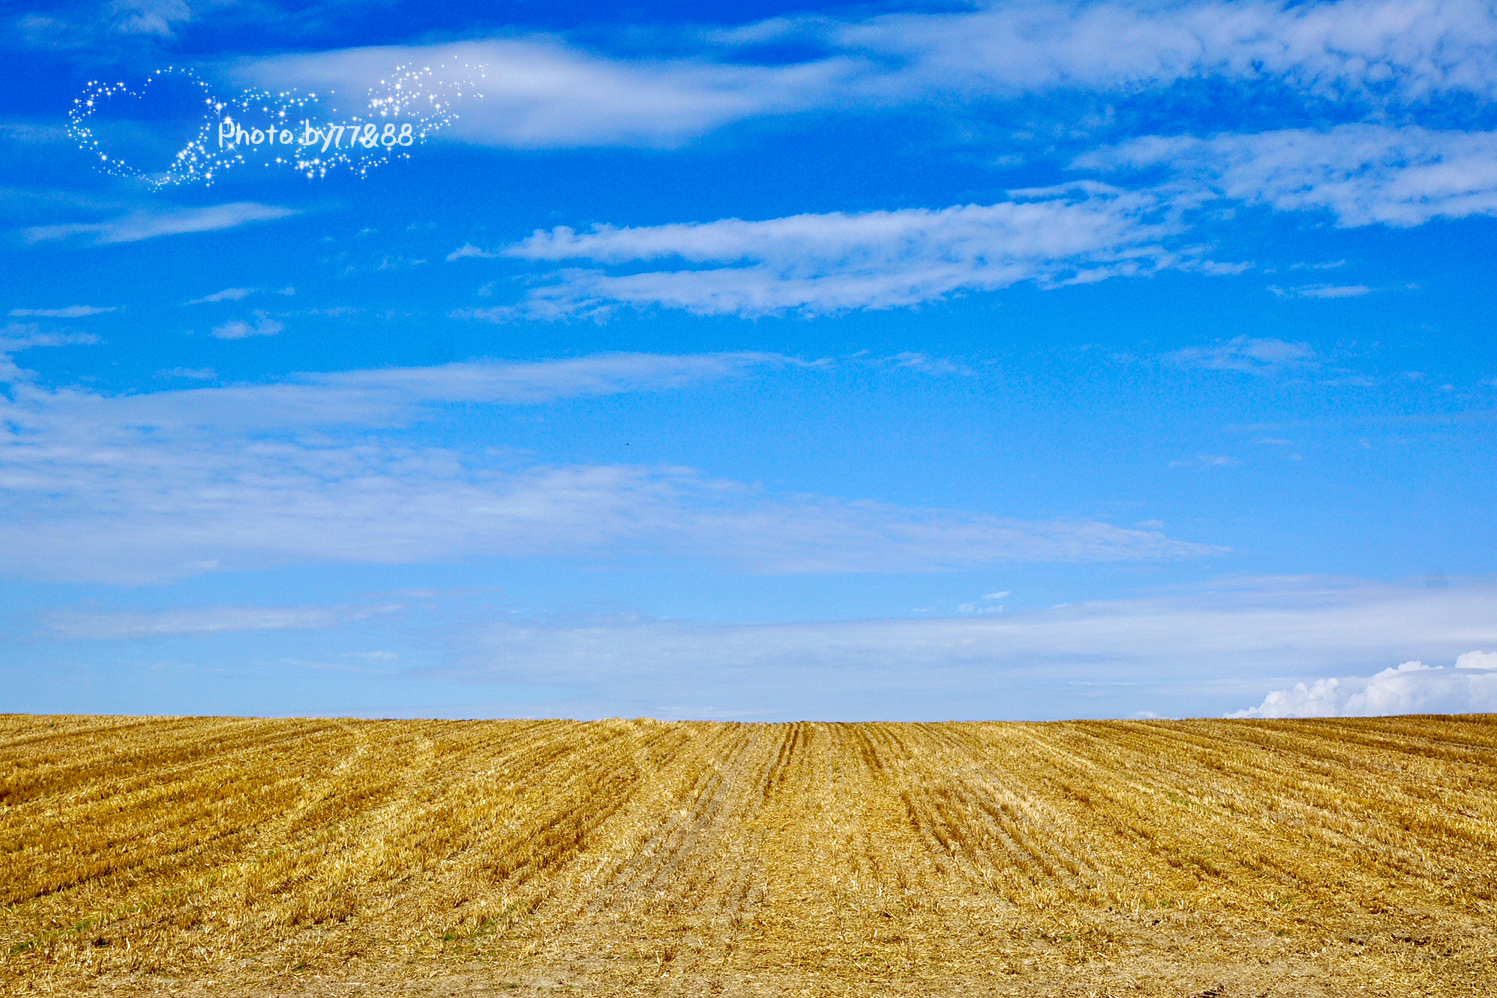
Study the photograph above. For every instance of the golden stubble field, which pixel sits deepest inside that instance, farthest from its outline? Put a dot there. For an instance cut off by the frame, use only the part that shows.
(204, 856)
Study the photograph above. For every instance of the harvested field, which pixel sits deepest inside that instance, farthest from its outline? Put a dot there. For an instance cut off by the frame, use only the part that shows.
(324, 857)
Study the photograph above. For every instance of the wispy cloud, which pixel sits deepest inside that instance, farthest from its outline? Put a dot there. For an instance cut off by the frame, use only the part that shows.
(227, 294)
(69, 312)
(238, 329)
(86, 625)
(176, 483)
(26, 132)
(1246, 354)
(1206, 461)
(544, 91)
(16, 336)
(820, 263)
(1361, 174)
(1321, 291)
(169, 222)
(149, 17)
(469, 250)
(192, 506)
(374, 398)
(540, 91)
(1371, 46)
(989, 603)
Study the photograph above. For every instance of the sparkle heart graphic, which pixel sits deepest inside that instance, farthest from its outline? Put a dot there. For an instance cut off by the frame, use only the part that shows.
(174, 118)
(168, 119)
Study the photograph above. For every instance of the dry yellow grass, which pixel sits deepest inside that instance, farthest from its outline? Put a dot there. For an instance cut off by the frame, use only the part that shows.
(1222, 858)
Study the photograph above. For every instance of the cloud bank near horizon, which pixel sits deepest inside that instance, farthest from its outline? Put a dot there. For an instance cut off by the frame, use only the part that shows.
(1215, 645)
(1411, 688)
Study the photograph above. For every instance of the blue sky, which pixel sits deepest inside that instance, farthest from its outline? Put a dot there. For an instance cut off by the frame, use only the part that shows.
(1023, 360)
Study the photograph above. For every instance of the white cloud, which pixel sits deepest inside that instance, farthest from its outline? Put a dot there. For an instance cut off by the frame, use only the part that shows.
(821, 263)
(69, 312)
(227, 294)
(1411, 688)
(1246, 354)
(1477, 660)
(238, 329)
(1362, 174)
(140, 225)
(174, 483)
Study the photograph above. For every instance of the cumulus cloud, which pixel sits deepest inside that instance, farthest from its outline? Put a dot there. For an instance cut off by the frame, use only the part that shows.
(820, 263)
(1477, 660)
(1410, 688)
(140, 225)
(1361, 174)
(175, 483)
